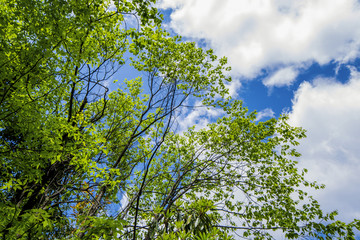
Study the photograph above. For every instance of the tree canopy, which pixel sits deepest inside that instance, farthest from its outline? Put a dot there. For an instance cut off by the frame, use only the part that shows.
(87, 154)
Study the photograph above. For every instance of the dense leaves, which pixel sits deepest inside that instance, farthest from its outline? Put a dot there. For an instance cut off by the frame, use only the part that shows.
(88, 154)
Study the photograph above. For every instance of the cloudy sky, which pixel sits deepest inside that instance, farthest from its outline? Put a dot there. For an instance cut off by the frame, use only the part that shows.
(295, 57)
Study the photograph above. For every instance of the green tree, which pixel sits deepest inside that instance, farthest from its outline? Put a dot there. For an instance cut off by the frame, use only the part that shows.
(79, 161)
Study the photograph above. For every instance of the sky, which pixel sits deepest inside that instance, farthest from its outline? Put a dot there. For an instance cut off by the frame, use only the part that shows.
(301, 58)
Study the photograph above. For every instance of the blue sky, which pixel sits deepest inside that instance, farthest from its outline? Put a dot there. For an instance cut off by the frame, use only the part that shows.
(296, 57)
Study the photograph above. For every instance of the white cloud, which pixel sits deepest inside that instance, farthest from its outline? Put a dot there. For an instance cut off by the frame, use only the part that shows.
(199, 116)
(283, 77)
(267, 112)
(265, 34)
(330, 111)
(257, 34)
(233, 87)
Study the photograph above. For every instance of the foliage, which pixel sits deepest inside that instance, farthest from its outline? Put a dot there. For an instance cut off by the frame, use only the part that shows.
(82, 160)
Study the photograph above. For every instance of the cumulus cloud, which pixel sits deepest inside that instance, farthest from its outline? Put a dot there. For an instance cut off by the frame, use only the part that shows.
(258, 34)
(330, 111)
(287, 36)
(199, 116)
(233, 87)
(283, 77)
(267, 112)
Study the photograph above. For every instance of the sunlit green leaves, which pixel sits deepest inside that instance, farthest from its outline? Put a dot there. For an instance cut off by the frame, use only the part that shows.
(85, 155)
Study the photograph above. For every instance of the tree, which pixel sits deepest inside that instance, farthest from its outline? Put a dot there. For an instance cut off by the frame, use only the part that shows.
(82, 161)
